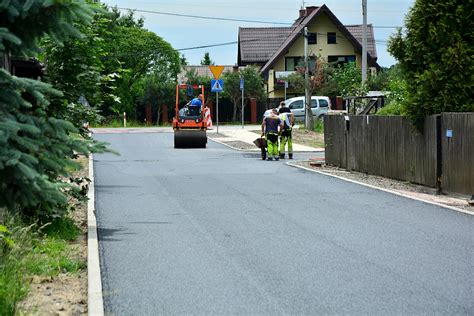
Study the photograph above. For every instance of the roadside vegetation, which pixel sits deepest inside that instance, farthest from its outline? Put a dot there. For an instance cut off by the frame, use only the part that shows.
(29, 250)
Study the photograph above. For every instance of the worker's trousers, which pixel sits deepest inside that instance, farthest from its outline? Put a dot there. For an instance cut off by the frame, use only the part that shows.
(272, 145)
(284, 139)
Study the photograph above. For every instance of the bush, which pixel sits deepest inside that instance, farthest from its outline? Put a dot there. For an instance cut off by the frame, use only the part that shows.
(391, 109)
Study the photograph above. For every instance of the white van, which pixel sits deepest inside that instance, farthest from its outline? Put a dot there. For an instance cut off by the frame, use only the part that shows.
(319, 106)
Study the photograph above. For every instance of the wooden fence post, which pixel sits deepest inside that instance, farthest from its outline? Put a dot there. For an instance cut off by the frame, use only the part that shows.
(253, 111)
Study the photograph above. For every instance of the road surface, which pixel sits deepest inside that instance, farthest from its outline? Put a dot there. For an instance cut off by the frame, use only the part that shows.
(216, 231)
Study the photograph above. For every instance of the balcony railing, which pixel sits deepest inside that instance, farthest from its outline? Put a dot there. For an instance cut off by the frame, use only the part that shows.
(280, 78)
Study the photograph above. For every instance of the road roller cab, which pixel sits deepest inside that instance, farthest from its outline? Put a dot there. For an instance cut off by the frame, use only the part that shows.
(189, 125)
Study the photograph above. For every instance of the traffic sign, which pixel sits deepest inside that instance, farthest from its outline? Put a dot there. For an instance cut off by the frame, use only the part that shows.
(217, 86)
(241, 84)
(216, 71)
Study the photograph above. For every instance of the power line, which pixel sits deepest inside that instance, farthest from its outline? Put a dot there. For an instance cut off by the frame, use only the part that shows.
(204, 17)
(222, 19)
(214, 45)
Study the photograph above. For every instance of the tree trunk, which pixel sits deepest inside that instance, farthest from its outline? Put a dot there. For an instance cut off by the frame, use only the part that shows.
(158, 114)
(234, 112)
(309, 121)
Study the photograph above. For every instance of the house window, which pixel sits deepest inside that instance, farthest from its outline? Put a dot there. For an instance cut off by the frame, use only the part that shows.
(341, 60)
(312, 38)
(332, 38)
(291, 63)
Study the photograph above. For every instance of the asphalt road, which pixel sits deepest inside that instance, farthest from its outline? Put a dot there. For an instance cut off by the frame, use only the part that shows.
(216, 231)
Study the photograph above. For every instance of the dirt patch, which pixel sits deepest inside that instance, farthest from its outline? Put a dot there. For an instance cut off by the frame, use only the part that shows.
(408, 188)
(308, 138)
(65, 294)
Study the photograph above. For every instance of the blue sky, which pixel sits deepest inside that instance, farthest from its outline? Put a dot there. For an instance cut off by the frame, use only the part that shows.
(183, 32)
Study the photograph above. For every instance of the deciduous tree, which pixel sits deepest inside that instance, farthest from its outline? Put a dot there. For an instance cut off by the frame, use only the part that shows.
(253, 87)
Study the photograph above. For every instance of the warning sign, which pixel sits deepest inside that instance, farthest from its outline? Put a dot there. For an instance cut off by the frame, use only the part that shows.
(217, 85)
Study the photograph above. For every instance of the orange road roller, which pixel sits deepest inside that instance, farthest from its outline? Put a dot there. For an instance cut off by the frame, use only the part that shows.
(188, 123)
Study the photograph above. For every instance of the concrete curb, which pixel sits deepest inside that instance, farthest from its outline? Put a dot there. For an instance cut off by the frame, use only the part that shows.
(95, 300)
(382, 189)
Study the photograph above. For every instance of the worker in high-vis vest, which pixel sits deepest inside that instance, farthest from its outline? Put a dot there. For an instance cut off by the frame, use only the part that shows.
(288, 122)
(272, 126)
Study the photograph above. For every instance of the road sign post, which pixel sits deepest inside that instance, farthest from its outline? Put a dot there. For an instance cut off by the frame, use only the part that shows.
(243, 108)
(217, 86)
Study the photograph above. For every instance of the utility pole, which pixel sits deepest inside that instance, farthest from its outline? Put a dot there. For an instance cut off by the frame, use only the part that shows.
(364, 41)
(307, 107)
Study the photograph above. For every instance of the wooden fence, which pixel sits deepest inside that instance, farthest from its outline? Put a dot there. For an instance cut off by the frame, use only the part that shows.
(391, 147)
(457, 134)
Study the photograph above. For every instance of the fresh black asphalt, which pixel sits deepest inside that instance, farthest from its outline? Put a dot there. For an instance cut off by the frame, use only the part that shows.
(217, 231)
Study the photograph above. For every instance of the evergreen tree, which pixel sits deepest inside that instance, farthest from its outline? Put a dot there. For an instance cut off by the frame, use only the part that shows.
(36, 148)
(435, 53)
(206, 60)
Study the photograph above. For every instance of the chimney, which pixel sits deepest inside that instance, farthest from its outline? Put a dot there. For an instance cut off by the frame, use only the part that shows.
(310, 9)
(302, 13)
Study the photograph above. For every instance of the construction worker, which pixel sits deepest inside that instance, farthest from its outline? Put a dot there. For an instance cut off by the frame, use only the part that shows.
(195, 105)
(271, 128)
(288, 122)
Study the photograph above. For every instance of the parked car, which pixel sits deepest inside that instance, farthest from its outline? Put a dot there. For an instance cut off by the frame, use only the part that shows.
(319, 106)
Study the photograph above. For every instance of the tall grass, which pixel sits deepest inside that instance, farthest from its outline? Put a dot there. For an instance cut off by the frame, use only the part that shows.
(319, 125)
(13, 277)
(32, 250)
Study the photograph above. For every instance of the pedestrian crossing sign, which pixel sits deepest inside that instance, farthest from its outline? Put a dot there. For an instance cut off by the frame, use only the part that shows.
(217, 85)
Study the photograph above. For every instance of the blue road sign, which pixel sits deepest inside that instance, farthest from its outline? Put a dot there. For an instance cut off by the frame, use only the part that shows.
(217, 85)
(241, 84)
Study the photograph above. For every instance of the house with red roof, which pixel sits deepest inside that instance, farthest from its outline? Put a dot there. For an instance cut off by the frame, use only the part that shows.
(278, 51)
